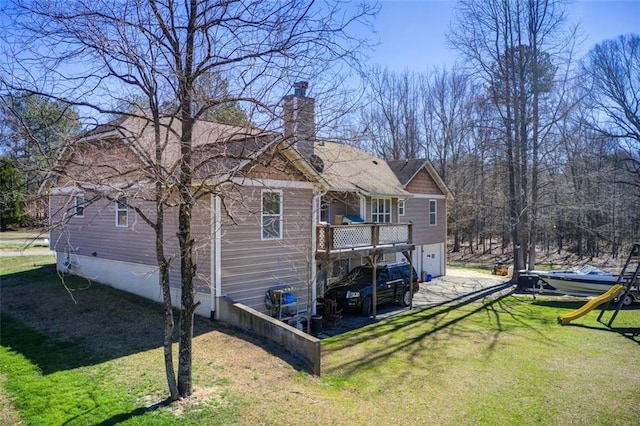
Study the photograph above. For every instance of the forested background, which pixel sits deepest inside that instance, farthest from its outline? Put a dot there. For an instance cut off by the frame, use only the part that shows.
(540, 146)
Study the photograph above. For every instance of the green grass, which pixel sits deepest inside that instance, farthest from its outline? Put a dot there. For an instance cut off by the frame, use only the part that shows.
(79, 396)
(22, 241)
(500, 360)
(24, 234)
(22, 247)
(55, 380)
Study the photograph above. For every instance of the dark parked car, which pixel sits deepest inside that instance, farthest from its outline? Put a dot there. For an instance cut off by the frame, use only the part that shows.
(354, 291)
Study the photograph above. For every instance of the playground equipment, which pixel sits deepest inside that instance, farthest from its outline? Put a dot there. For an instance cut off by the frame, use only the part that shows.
(627, 284)
(591, 304)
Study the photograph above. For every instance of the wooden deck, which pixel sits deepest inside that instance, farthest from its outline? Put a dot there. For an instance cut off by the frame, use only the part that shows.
(363, 239)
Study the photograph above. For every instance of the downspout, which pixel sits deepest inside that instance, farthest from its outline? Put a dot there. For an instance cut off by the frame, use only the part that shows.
(50, 225)
(215, 286)
(446, 234)
(315, 211)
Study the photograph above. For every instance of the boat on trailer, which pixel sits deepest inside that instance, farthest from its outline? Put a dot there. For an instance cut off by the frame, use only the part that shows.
(586, 281)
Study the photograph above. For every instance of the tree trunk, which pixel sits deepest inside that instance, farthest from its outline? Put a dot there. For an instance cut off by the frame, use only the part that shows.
(456, 241)
(163, 264)
(168, 324)
(187, 264)
(185, 208)
(188, 269)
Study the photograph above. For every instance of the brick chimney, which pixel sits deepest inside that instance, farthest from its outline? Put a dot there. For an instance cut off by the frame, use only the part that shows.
(299, 119)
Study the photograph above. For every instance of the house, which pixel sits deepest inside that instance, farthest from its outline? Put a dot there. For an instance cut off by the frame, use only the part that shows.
(271, 210)
(426, 208)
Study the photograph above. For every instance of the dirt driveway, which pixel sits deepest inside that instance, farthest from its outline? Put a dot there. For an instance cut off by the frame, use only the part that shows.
(458, 285)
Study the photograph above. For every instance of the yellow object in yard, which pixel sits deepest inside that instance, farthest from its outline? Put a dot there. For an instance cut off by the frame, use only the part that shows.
(588, 307)
(500, 269)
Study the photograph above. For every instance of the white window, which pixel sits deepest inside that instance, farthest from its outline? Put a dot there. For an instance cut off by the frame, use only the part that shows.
(433, 212)
(400, 207)
(122, 212)
(79, 206)
(381, 210)
(271, 215)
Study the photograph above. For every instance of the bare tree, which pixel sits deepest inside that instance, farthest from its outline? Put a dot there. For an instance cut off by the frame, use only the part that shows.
(391, 122)
(515, 48)
(447, 119)
(102, 56)
(613, 91)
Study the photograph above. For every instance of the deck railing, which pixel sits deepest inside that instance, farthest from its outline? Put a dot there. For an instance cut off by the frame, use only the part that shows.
(331, 238)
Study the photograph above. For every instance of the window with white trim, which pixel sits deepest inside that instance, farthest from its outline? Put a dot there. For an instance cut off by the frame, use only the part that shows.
(122, 212)
(271, 215)
(433, 212)
(381, 210)
(79, 206)
(400, 207)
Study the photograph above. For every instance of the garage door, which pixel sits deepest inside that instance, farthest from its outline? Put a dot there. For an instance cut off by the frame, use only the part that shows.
(428, 258)
(432, 259)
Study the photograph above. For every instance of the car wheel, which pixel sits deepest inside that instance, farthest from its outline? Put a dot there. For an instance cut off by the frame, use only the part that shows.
(405, 300)
(365, 309)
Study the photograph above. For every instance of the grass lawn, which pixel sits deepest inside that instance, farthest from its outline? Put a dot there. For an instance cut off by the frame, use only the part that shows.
(494, 361)
(23, 241)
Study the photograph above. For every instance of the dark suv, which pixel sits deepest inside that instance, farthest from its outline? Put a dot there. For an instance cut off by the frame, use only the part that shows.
(354, 291)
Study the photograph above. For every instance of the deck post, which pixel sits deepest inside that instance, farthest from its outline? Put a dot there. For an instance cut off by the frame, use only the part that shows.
(375, 235)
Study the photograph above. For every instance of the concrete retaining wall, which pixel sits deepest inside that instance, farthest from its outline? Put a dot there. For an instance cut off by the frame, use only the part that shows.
(305, 346)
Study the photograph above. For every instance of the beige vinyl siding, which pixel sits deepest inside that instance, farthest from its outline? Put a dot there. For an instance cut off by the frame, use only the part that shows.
(251, 265)
(97, 235)
(337, 209)
(342, 204)
(417, 211)
(201, 233)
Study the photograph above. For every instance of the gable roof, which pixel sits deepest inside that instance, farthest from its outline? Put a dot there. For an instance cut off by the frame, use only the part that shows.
(138, 132)
(221, 150)
(350, 169)
(406, 170)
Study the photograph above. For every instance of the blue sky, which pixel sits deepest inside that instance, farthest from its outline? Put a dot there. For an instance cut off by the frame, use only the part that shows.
(412, 34)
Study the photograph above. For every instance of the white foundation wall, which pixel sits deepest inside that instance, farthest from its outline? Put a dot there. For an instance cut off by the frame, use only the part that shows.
(141, 280)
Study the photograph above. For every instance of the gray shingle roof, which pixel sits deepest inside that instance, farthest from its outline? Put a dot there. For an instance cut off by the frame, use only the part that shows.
(406, 169)
(350, 169)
